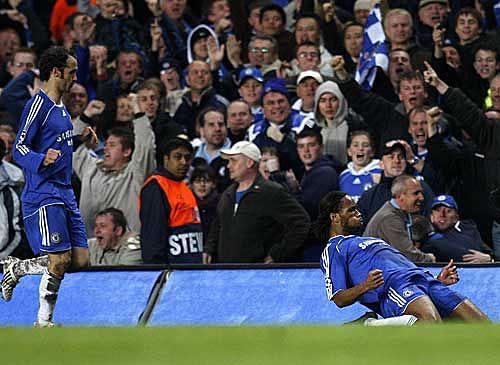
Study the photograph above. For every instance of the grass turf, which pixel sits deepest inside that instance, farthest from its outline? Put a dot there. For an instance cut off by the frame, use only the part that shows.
(443, 344)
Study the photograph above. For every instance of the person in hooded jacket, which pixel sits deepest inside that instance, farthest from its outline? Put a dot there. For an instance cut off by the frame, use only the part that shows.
(332, 115)
(197, 49)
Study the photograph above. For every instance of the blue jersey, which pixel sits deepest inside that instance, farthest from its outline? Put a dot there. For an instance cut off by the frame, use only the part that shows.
(347, 260)
(355, 183)
(43, 125)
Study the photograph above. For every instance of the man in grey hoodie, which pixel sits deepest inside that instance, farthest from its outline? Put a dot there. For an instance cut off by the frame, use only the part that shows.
(332, 114)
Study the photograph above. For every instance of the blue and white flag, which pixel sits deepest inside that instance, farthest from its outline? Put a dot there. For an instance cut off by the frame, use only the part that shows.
(374, 52)
(496, 10)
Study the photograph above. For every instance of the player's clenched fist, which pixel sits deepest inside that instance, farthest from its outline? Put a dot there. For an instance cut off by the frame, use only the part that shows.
(51, 156)
(374, 279)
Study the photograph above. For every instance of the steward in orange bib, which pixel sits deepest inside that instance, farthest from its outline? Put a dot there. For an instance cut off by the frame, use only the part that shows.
(171, 229)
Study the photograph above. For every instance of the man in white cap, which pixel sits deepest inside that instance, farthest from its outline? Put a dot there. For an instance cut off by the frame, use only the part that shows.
(432, 13)
(362, 9)
(307, 83)
(257, 220)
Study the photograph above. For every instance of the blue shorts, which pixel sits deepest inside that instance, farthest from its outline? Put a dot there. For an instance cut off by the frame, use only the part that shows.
(55, 228)
(398, 297)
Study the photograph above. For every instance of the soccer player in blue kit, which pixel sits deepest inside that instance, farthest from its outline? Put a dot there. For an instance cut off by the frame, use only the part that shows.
(370, 271)
(53, 224)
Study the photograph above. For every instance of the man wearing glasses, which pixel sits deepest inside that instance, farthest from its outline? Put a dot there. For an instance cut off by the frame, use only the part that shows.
(262, 53)
(23, 59)
(22, 86)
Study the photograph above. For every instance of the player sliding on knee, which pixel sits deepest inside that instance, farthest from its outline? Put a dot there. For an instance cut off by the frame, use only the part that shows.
(370, 271)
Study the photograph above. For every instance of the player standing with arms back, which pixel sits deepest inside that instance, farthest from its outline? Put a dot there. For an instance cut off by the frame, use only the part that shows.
(44, 148)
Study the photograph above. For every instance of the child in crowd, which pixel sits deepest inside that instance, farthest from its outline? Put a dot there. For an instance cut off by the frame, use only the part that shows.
(363, 171)
(202, 182)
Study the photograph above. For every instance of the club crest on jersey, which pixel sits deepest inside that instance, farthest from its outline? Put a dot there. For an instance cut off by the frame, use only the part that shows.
(55, 237)
(407, 293)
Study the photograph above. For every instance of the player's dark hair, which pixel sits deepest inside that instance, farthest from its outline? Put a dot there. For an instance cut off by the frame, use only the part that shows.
(119, 219)
(331, 203)
(53, 57)
(175, 143)
(126, 137)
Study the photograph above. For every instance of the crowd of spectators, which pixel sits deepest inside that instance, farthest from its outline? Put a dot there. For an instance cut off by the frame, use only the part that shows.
(221, 125)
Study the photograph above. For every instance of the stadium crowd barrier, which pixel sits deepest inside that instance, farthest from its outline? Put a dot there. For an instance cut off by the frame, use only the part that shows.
(277, 294)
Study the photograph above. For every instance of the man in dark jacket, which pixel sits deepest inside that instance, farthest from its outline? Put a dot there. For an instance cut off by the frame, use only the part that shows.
(484, 131)
(320, 176)
(171, 229)
(201, 95)
(389, 120)
(394, 164)
(280, 125)
(257, 220)
(454, 238)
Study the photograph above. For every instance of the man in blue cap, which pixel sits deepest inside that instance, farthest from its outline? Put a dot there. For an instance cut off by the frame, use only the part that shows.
(280, 124)
(455, 239)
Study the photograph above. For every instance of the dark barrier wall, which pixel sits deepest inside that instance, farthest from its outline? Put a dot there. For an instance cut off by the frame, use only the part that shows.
(212, 297)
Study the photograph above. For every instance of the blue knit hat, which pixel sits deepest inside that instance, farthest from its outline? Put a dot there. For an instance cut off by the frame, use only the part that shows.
(274, 85)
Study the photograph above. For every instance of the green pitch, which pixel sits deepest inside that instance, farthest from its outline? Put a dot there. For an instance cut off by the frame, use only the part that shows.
(425, 345)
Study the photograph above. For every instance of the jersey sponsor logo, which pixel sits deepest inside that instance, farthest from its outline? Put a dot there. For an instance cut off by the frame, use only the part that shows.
(67, 135)
(365, 244)
(186, 243)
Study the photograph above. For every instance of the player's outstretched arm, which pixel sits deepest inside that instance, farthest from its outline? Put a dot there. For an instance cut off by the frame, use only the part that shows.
(449, 274)
(349, 296)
